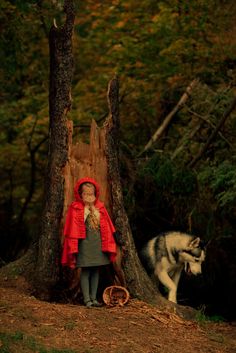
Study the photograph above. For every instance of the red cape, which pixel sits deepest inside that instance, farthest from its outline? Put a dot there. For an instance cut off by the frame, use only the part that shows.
(75, 227)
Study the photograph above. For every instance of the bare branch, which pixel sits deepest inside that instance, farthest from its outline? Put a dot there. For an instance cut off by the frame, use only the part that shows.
(170, 116)
(209, 123)
(214, 133)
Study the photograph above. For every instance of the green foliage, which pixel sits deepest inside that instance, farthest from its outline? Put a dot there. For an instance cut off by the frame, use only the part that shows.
(165, 195)
(156, 48)
(201, 317)
(222, 181)
(169, 177)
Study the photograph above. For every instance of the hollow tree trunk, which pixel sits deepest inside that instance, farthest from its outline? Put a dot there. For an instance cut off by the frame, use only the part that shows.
(61, 69)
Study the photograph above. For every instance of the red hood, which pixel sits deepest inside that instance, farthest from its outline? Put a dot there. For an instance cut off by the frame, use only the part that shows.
(82, 181)
(75, 229)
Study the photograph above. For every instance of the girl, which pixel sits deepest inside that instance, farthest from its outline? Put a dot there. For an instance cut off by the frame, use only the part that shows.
(89, 241)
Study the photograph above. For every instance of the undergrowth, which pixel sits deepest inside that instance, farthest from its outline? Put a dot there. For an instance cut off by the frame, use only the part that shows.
(201, 317)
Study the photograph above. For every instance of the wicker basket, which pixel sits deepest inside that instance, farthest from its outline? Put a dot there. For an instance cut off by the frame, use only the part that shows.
(115, 295)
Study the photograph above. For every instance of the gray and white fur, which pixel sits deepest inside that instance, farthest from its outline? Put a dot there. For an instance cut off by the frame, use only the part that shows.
(168, 254)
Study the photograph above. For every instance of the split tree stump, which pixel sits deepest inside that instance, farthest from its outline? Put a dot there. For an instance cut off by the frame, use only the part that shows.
(89, 160)
(100, 160)
(86, 160)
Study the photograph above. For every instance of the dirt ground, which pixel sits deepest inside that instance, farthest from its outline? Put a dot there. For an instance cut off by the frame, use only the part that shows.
(135, 327)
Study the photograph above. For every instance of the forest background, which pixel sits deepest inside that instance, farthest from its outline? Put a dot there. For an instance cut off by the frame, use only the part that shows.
(157, 48)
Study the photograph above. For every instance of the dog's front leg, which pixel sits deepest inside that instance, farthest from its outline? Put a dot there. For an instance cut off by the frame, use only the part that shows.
(176, 276)
(168, 283)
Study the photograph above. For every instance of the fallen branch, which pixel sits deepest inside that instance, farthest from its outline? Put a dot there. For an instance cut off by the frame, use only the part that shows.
(204, 119)
(169, 117)
(214, 133)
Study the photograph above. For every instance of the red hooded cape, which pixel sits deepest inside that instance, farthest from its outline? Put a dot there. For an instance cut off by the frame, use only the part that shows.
(74, 228)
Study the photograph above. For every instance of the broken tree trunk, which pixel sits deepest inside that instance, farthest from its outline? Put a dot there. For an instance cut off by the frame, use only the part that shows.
(61, 70)
(99, 160)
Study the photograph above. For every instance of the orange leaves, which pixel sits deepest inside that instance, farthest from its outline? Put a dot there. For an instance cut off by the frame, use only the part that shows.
(120, 24)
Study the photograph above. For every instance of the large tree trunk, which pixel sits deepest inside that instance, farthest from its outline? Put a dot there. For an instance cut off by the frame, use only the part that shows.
(61, 69)
(138, 282)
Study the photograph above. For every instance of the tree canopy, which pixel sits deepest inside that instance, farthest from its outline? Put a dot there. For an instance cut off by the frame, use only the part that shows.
(156, 48)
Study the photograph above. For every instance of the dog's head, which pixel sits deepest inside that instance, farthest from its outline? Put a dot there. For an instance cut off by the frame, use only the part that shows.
(193, 256)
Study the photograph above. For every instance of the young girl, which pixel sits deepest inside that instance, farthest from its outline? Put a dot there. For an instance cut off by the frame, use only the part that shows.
(89, 241)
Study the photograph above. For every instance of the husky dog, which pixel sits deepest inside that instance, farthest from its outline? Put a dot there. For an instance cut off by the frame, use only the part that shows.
(168, 254)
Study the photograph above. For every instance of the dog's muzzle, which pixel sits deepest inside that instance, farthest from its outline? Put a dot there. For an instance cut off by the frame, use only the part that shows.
(193, 267)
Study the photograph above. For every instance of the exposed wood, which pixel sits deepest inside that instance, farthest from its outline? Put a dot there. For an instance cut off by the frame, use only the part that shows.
(214, 133)
(159, 132)
(61, 71)
(88, 159)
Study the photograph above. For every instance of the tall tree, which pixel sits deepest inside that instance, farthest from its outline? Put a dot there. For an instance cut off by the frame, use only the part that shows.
(137, 281)
(61, 71)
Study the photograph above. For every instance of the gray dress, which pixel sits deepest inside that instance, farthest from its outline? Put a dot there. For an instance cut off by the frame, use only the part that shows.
(90, 249)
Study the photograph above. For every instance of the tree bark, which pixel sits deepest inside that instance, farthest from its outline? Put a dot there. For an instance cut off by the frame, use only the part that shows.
(138, 283)
(61, 70)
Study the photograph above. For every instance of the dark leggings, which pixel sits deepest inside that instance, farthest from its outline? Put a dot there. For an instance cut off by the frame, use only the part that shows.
(89, 283)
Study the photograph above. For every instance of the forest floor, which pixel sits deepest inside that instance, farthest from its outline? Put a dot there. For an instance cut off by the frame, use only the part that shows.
(30, 325)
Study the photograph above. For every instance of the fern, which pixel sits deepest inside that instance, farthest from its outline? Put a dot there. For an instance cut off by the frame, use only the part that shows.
(222, 182)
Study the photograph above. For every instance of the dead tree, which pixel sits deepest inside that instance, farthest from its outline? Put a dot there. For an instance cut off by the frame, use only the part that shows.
(61, 70)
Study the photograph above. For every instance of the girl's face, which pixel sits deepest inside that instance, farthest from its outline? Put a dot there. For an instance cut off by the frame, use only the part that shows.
(88, 194)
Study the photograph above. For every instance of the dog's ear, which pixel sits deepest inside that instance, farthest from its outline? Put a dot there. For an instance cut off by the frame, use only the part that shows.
(195, 243)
